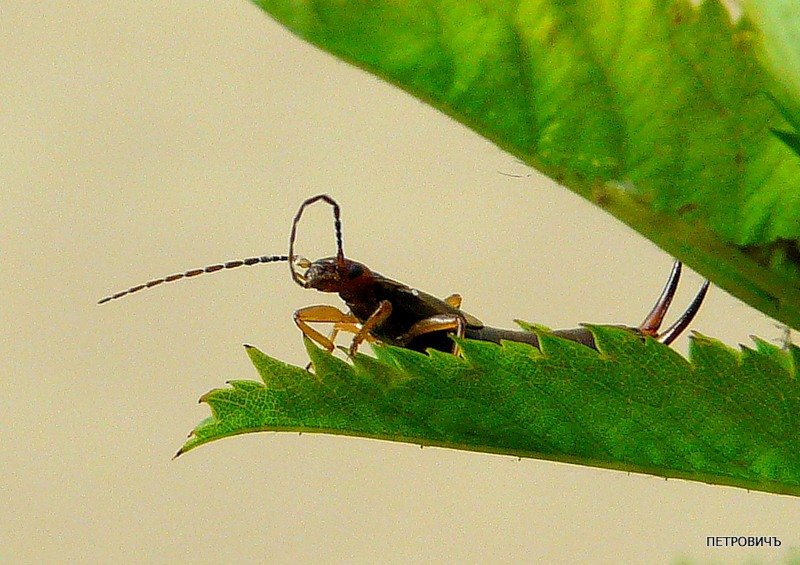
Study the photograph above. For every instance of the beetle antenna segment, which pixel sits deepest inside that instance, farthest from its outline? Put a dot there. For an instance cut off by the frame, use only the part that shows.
(194, 272)
(672, 332)
(337, 223)
(654, 319)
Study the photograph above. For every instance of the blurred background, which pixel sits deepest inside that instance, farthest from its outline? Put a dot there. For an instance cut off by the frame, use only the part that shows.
(141, 139)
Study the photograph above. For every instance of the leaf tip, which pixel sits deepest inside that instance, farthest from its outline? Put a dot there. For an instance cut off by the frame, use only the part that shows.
(529, 327)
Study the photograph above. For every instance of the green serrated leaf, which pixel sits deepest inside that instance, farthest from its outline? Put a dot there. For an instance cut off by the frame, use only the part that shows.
(791, 139)
(723, 416)
(658, 111)
(779, 48)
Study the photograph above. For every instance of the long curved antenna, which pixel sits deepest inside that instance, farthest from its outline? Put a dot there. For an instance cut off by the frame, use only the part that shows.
(672, 332)
(337, 223)
(653, 320)
(194, 272)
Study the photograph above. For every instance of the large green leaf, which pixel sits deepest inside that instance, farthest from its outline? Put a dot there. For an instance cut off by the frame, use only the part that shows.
(779, 48)
(723, 417)
(660, 112)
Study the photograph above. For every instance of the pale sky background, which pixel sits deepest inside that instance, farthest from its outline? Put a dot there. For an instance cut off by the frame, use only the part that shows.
(139, 139)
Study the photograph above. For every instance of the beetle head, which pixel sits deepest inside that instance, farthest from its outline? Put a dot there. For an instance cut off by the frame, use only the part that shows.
(333, 275)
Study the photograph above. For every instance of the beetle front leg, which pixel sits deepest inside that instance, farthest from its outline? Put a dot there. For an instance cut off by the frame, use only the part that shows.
(322, 314)
(350, 327)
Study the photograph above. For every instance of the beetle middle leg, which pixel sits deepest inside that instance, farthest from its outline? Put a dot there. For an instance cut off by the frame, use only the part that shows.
(379, 316)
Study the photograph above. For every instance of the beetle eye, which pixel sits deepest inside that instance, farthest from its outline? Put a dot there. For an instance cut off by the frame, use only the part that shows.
(356, 270)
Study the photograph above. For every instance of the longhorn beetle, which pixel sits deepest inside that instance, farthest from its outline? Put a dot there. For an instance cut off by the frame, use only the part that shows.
(386, 310)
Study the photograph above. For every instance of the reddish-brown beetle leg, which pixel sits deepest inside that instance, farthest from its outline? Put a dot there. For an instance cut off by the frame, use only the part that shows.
(379, 316)
(321, 314)
(441, 323)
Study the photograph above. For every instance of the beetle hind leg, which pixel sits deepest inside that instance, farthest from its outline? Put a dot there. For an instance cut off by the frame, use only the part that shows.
(440, 323)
